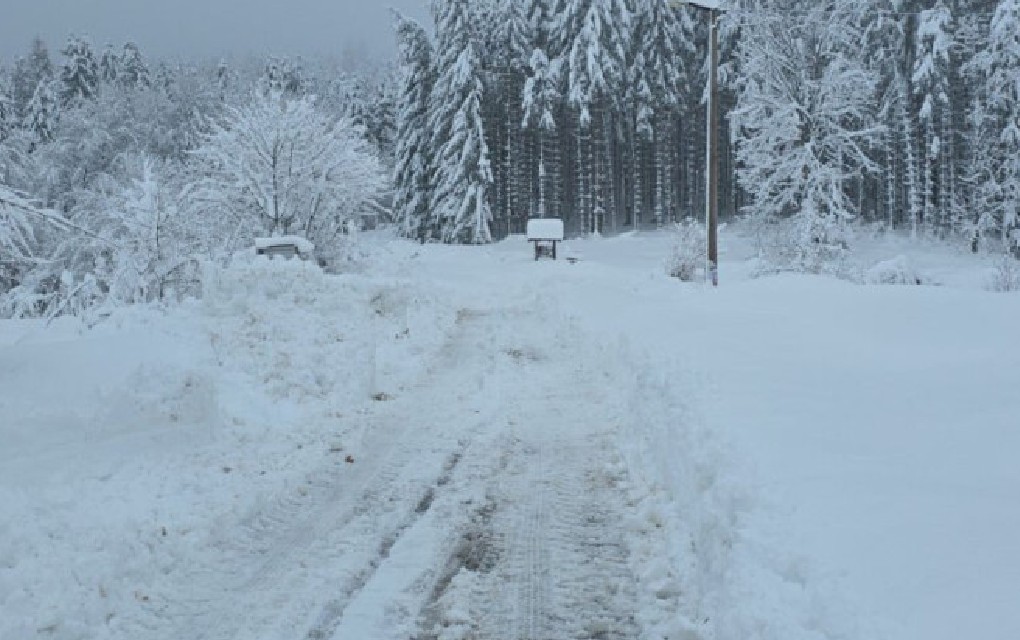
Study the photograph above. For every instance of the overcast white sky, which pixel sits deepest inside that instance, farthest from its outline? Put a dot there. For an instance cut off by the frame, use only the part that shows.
(208, 28)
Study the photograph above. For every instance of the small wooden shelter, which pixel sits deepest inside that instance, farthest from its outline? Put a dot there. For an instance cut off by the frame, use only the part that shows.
(284, 246)
(545, 233)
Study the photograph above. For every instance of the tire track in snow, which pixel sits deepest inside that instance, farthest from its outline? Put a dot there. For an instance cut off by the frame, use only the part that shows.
(493, 501)
(562, 567)
(568, 561)
(314, 547)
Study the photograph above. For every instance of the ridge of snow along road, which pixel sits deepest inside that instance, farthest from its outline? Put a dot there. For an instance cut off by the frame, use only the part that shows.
(171, 424)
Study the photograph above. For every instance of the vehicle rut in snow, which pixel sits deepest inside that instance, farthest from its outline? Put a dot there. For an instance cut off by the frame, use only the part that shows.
(302, 555)
(483, 503)
(547, 558)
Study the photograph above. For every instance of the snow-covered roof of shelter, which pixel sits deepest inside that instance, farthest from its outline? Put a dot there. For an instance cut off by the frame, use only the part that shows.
(303, 244)
(704, 4)
(545, 229)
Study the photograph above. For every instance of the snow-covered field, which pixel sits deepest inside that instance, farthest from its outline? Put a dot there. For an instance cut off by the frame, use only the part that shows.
(464, 443)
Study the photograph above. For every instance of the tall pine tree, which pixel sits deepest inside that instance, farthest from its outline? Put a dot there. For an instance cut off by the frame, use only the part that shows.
(133, 72)
(999, 65)
(80, 72)
(412, 155)
(460, 206)
(591, 37)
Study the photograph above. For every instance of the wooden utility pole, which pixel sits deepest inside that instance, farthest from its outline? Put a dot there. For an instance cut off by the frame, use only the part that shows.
(711, 136)
(712, 192)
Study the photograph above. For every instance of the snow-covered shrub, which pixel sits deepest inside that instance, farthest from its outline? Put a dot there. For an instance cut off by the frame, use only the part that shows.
(898, 270)
(151, 252)
(1006, 275)
(689, 250)
(43, 293)
(280, 166)
(797, 244)
(16, 234)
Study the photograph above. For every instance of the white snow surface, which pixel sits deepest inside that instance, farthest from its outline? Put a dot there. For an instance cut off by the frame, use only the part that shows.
(462, 443)
(545, 229)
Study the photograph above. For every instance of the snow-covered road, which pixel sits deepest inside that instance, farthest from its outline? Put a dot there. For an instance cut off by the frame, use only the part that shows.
(484, 499)
(470, 444)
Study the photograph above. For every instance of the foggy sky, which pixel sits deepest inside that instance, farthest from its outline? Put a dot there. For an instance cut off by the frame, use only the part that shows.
(201, 29)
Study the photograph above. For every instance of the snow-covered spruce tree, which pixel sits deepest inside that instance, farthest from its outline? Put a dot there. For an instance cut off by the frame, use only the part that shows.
(884, 54)
(642, 114)
(6, 115)
(42, 112)
(591, 35)
(133, 72)
(999, 103)
(412, 156)
(663, 39)
(541, 97)
(79, 73)
(109, 65)
(930, 81)
(27, 74)
(223, 79)
(281, 166)
(546, 155)
(281, 76)
(805, 112)
(508, 55)
(460, 208)
(377, 114)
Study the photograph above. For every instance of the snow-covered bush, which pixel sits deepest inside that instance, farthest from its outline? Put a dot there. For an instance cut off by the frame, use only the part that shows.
(125, 242)
(280, 166)
(898, 270)
(151, 252)
(16, 234)
(689, 250)
(797, 244)
(1006, 275)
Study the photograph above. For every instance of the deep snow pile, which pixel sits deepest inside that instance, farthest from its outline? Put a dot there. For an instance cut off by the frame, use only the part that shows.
(898, 270)
(127, 447)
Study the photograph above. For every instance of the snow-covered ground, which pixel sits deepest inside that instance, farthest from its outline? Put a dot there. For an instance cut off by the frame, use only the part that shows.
(462, 442)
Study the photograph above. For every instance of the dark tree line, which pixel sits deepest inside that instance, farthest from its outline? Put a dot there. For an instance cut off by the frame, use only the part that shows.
(592, 111)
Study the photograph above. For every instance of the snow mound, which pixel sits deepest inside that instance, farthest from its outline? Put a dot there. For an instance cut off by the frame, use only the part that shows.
(899, 270)
(310, 335)
(165, 396)
(725, 574)
(1004, 276)
(129, 446)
